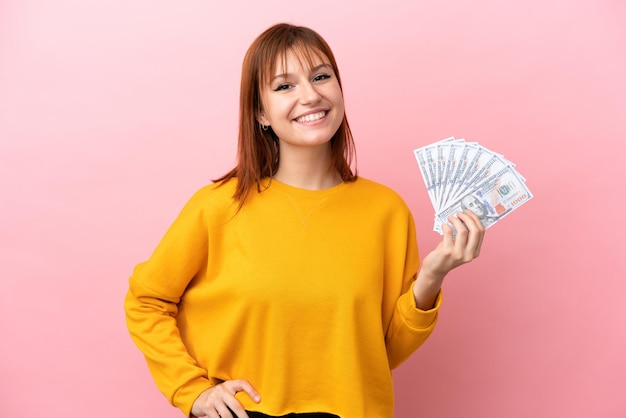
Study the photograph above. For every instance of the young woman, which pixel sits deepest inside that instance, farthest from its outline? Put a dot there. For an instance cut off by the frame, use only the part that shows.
(290, 286)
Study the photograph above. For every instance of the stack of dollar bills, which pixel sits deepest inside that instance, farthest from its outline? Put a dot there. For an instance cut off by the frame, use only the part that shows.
(462, 175)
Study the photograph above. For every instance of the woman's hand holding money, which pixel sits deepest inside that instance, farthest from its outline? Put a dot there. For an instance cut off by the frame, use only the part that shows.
(454, 250)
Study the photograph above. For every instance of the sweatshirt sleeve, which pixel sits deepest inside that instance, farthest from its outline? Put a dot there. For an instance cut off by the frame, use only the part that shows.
(409, 326)
(151, 305)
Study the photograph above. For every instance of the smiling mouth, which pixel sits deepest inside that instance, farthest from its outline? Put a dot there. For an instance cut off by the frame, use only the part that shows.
(312, 117)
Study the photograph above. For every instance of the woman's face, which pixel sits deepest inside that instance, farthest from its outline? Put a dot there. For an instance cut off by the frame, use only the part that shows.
(304, 106)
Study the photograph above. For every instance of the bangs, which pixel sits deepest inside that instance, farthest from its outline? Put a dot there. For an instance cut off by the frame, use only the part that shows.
(306, 57)
(308, 52)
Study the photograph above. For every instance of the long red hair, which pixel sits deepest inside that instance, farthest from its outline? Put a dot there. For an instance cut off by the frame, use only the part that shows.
(258, 149)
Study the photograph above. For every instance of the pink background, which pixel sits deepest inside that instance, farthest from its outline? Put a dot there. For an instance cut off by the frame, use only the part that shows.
(113, 112)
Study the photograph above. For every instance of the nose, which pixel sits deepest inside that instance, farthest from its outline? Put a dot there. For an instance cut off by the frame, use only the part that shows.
(308, 93)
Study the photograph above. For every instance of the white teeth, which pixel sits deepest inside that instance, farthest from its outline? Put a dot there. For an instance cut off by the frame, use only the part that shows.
(312, 117)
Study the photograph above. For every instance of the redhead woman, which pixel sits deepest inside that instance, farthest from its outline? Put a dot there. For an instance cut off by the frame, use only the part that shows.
(290, 286)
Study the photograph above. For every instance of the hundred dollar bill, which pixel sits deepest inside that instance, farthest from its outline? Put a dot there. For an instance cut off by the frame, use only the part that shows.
(472, 153)
(492, 199)
(452, 154)
(429, 160)
(455, 178)
(477, 156)
(440, 152)
(493, 163)
(426, 173)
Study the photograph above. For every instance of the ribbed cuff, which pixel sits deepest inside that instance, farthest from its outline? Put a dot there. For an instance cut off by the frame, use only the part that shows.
(187, 395)
(413, 316)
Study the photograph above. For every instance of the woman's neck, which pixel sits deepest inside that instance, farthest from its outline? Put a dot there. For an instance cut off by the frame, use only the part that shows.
(307, 168)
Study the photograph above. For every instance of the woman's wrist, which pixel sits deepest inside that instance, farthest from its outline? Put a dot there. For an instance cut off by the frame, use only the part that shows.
(426, 288)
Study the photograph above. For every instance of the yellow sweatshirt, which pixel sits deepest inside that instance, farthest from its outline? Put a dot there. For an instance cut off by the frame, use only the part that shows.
(305, 294)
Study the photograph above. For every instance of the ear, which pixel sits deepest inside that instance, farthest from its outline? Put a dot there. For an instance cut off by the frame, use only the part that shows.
(262, 119)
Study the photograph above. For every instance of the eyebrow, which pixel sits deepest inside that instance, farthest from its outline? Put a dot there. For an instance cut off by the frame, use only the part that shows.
(314, 69)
